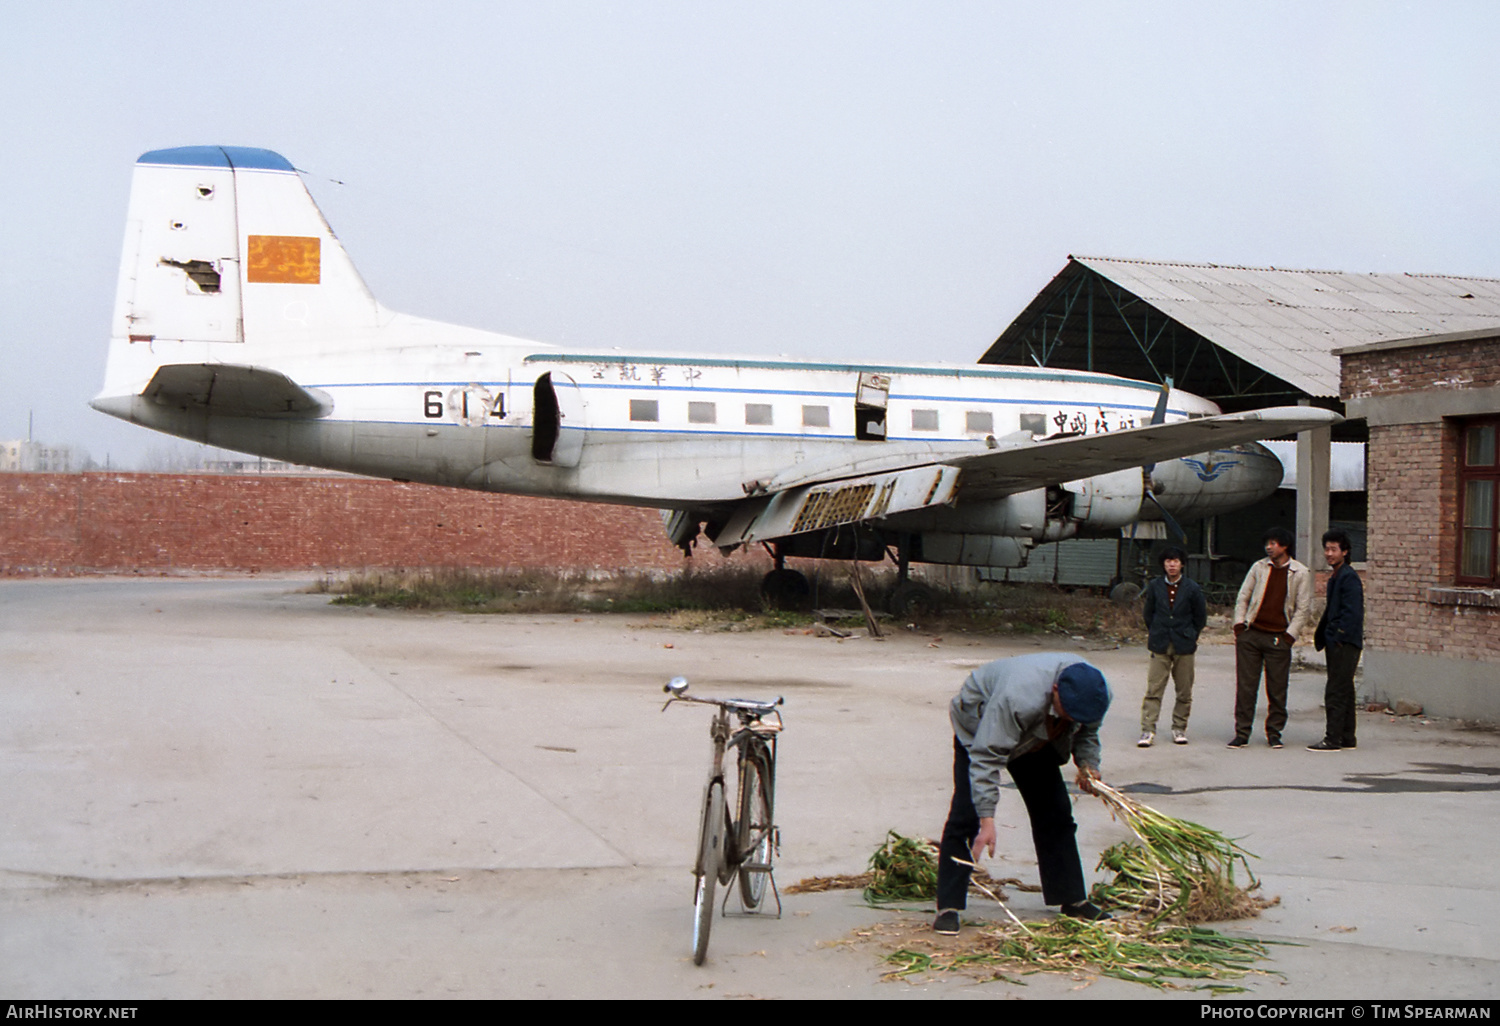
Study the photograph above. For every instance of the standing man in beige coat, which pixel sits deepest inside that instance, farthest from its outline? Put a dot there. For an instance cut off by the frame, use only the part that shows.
(1272, 611)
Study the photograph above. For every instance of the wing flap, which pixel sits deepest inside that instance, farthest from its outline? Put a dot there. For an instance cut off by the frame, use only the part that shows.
(1023, 466)
(819, 506)
(233, 390)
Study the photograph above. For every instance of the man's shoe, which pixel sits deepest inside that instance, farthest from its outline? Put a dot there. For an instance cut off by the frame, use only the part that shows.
(1239, 742)
(1085, 910)
(1179, 737)
(946, 923)
(1148, 738)
(1275, 742)
(1324, 746)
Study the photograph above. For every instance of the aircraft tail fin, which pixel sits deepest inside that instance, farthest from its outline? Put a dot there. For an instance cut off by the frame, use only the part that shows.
(227, 259)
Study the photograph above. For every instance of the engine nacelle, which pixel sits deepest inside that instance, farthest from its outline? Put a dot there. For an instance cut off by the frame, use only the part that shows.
(1105, 502)
(992, 550)
(1094, 505)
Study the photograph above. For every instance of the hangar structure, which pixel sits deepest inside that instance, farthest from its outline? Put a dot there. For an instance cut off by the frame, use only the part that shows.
(1245, 337)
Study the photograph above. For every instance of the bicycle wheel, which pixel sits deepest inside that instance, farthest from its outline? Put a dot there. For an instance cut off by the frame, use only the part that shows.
(754, 843)
(710, 854)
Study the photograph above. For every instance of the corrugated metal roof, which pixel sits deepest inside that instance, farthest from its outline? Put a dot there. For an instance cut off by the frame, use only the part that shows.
(1289, 322)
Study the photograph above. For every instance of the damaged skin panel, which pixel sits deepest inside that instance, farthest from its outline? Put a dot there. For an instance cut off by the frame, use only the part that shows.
(202, 272)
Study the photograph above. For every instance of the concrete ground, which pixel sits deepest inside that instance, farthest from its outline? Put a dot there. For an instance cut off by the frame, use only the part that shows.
(228, 788)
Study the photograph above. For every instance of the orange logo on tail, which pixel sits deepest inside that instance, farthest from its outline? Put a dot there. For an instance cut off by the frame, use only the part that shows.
(288, 259)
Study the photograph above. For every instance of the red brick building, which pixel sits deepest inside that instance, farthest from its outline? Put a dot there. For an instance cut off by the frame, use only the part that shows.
(1432, 602)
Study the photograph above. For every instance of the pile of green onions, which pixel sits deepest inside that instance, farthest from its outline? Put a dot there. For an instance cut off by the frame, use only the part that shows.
(1180, 871)
(1135, 950)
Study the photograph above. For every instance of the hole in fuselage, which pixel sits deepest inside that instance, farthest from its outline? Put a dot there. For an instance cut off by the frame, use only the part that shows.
(202, 273)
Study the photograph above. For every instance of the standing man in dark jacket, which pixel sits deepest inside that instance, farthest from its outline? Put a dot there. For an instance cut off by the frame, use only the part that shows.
(1175, 613)
(1342, 631)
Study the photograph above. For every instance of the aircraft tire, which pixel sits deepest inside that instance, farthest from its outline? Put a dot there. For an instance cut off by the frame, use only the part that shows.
(912, 599)
(785, 589)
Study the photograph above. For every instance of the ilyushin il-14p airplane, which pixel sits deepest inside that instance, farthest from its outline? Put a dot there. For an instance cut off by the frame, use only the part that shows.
(240, 322)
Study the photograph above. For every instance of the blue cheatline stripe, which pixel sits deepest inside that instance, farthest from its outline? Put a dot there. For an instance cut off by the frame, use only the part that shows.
(218, 156)
(644, 391)
(1069, 377)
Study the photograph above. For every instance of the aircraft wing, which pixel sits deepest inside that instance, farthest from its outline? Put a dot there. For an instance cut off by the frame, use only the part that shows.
(1025, 465)
(233, 390)
(827, 497)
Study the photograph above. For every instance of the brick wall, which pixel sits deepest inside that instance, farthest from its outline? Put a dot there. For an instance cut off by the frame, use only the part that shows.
(1412, 471)
(1471, 364)
(160, 523)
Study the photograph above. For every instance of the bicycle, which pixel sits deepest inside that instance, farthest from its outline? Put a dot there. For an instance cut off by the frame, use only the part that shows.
(745, 845)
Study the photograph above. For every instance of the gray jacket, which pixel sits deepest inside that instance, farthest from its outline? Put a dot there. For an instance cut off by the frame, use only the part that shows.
(1000, 713)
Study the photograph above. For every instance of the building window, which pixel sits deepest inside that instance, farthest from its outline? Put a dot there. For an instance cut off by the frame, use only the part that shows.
(757, 413)
(1035, 423)
(980, 421)
(643, 409)
(702, 413)
(1479, 503)
(924, 420)
(814, 416)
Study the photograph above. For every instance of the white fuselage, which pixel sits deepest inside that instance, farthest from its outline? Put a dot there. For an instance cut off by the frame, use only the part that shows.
(660, 430)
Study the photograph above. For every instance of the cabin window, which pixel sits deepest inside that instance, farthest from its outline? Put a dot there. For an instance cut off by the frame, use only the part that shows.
(757, 413)
(924, 420)
(643, 409)
(1036, 423)
(814, 416)
(702, 413)
(982, 422)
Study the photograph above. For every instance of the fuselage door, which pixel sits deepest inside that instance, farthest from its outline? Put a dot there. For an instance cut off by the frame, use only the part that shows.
(871, 396)
(557, 420)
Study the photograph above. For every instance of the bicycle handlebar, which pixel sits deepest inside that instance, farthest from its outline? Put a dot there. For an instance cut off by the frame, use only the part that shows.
(677, 685)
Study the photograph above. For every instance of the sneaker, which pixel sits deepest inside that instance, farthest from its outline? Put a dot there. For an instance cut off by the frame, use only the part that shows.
(1179, 737)
(946, 923)
(1085, 910)
(1238, 742)
(1275, 742)
(1148, 738)
(1324, 746)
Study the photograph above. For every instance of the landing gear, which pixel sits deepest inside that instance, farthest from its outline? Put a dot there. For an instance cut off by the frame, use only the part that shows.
(783, 588)
(910, 599)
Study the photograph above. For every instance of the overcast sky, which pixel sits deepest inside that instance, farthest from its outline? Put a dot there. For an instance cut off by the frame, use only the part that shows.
(851, 179)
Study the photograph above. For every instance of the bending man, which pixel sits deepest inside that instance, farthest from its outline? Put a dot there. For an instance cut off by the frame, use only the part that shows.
(1027, 715)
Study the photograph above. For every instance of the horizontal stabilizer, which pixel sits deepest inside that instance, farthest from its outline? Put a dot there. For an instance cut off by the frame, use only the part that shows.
(816, 507)
(231, 390)
(1024, 466)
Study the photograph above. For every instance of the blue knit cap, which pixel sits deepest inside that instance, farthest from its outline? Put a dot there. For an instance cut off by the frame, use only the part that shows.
(1083, 692)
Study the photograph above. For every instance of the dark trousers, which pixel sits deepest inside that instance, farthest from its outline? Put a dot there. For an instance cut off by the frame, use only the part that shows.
(1338, 696)
(1255, 651)
(1040, 781)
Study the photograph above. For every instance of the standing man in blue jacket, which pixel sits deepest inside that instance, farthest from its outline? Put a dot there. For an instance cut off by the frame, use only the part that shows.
(1026, 715)
(1342, 632)
(1175, 613)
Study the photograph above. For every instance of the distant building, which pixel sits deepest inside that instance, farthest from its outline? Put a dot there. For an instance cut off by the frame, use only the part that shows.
(22, 456)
